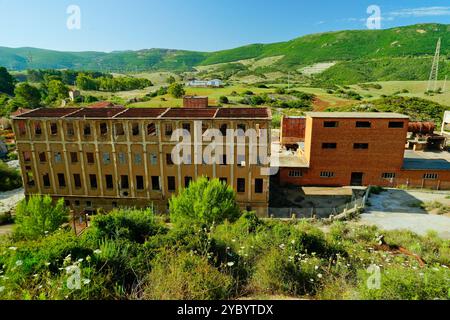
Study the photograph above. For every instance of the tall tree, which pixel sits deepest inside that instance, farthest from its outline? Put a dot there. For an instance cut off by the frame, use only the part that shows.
(56, 91)
(7, 81)
(176, 90)
(28, 95)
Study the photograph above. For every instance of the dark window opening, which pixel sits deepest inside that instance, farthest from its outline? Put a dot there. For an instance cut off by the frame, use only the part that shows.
(109, 182)
(70, 130)
(187, 127)
(169, 130)
(151, 130)
(396, 124)
(61, 180)
(46, 180)
(259, 185)
(187, 181)
(77, 180)
(27, 156)
(140, 182)
(223, 129)
(124, 183)
(93, 181)
(331, 124)
(74, 157)
(169, 160)
(361, 146)
(42, 157)
(171, 185)
(67, 203)
(87, 130)
(37, 128)
(90, 158)
(135, 129)
(329, 145)
(155, 184)
(29, 177)
(241, 185)
(118, 128)
(103, 128)
(363, 124)
(53, 128)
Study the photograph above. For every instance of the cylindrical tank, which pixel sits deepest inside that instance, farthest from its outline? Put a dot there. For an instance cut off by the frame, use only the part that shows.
(421, 127)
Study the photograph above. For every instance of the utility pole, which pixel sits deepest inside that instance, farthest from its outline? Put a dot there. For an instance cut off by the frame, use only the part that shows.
(432, 83)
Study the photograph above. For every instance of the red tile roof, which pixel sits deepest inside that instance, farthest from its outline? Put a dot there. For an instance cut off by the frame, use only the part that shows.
(48, 113)
(190, 113)
(142, 113)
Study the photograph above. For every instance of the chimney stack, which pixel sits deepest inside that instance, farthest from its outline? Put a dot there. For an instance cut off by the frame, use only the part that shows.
(195, 102)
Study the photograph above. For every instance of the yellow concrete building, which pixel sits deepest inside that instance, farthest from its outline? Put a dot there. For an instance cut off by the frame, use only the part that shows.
(118, 157)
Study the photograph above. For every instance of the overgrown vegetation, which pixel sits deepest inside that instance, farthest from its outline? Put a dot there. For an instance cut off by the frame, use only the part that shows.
(10, 178)
(133, 254)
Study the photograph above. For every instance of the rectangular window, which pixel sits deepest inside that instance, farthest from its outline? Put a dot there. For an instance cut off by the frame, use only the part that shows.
(109, 182)
(326, 174)
(295, 174)
(58, 157)
(430, 176)
(241, 129)
(329, 145)
(363, 124)
(241, 160)
(153, 159)
(187, 181)
(168, 130)
(151, 130)
(88, 204)
(331, 124)
(93, 181)
(74, 157)
(139, 182)
(138, 158)
(61, 180)
(46, 180)
(118, 129)
(103, 128)
(37, 129)
(396, 124)
(53, 128)
(122, 158)
(29, 177)
(171, 185)
(224, 160)
(388, 175)
(42, 157)
(360, 146)
(70, 130)
(90, 158)
(187, 127)
(155, 184)
(169, 161)
(204, 128)
(124, 183)
(22, 128)
(259, 185)
(135, 129)
(223, 180)
(27, 156)
(106, 158)
(77, 180)
(223, 129)
(87, 130)
(241, 185)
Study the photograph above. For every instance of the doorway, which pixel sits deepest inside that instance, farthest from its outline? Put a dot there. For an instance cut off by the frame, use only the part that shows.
(357, 179)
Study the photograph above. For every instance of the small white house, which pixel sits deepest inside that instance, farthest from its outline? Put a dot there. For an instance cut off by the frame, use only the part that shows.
(215, 83)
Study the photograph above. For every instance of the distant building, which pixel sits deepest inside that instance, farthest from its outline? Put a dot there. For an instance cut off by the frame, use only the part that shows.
(215, 83)
(73, 94)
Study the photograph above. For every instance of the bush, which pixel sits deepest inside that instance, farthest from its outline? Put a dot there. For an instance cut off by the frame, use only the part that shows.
(11, 178)
(133, 225)
(176, 90)
(223, 100)
(39, 216)
(204, 202)
(185, 276)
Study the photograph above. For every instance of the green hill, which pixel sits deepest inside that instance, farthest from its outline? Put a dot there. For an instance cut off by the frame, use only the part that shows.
(361, 55)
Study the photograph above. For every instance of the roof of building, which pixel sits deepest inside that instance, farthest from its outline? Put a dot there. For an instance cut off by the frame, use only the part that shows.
(426, 160)
(152, 113)
(357, 115)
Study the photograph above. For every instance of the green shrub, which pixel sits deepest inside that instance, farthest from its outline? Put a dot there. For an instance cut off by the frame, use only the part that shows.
(11, 178)
(39, 216)
(185, 276)
(204, 202)
(133, 225)
(223, 100)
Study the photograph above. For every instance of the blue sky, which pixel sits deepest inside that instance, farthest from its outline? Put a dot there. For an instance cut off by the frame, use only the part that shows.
(204, 25)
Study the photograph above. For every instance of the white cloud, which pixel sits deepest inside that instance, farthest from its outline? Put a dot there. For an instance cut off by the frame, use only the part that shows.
(421, 12)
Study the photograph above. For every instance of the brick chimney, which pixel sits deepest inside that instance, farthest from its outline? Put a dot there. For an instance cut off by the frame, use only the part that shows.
(195, 102)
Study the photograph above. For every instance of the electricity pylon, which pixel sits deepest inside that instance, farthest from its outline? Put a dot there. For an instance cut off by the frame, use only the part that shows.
(433, 82)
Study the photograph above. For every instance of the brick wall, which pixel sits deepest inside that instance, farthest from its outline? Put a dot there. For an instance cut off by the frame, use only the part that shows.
(195, 102)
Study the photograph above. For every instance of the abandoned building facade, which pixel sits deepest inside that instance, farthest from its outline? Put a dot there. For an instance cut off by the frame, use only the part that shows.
(360, 149)
(118, 157)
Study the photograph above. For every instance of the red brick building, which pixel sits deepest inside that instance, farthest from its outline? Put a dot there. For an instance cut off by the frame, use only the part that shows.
(361, 149)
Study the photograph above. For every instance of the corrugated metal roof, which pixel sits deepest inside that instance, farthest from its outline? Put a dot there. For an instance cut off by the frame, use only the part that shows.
(243, 113)
(142, 113)
(96, 113)
(48, 113)
(201, 113)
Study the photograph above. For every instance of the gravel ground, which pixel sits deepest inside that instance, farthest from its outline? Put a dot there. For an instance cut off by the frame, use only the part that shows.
(9, 199)
(400, 209)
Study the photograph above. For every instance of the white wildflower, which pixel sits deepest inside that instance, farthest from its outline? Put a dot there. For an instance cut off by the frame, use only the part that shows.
(230, 264)
(19, 263)
(320, 276)
(98, 251)
(86, 281)
(12, 248)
